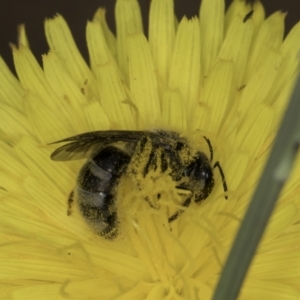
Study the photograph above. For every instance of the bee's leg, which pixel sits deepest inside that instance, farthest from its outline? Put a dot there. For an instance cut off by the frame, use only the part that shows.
(70, 203)
(217, 165)
(186, 203)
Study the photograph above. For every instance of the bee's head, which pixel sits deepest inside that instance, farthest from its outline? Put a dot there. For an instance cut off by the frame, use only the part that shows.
(198, 176)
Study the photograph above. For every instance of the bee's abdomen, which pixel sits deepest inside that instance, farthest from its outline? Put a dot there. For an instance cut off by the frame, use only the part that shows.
(96, 189)
(112, 160)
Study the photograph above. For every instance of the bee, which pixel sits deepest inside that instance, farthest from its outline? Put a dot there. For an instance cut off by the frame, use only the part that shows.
(110, 152)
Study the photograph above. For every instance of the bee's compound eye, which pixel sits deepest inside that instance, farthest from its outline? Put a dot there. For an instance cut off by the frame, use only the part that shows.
(199, 169)
(200, 175)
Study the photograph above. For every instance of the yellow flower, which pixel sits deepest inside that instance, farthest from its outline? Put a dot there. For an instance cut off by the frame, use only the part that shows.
(227, 77)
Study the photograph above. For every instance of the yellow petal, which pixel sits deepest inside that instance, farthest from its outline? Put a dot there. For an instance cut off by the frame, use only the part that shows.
(36, 158)
(121, 263)
(22, 37)
(32, 76)
(215, 98)
(242, 9)
(95, 117)
(285, 242)
(13, 124)
(26, 220)
(162, 36)
(287, 266)
(173, 111)
(109, 36)
(48, 266)
(211, 24)
(61, 41)
(282, 219)
(143, 83)
(13, 172)
(251, 126)
(256, 90)
(11, 91)
(236, 47)
(128, 22)
(268, 290)
(46, 127)
(54, 291)
(186, 60)
(289, 67)
(65, 90)
(110, 85)
(269, 38)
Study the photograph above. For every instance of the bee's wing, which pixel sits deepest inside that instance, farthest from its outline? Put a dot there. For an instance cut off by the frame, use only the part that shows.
(86, 144)
(75, 150)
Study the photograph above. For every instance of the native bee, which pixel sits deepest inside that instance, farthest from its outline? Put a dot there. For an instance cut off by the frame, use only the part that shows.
(110, 152)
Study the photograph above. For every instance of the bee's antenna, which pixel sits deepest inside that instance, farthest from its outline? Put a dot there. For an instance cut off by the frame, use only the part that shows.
(217, 165)
(211, 150)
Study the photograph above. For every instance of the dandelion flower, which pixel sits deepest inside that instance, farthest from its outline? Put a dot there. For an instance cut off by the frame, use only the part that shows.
(228, 77)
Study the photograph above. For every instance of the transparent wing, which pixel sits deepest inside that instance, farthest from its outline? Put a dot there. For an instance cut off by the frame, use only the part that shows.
(85, 145)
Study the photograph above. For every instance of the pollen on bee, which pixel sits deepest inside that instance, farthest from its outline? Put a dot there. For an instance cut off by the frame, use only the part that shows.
(143, 195)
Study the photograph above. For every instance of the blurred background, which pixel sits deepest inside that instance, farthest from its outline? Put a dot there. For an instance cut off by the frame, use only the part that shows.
(77, 12)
